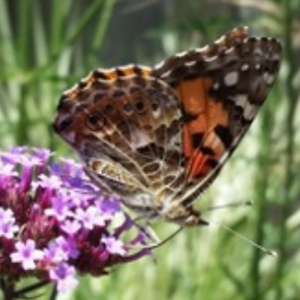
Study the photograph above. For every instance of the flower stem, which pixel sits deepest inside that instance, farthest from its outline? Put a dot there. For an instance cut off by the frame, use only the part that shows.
(22, 293)
(54, 293)
(289, 182)
(8, 289)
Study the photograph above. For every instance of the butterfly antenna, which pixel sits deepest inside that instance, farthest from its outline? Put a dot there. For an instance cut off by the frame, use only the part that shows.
(255, 245)
(228, 205)
(160, 243)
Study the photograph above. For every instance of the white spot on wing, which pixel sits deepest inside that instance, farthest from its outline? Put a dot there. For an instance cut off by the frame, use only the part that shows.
(202, 49)
(216, 86)
(245, 67)
(190, 63)
(250, 111)
(229, 50)
(240, 100)
(127, 66)
(257, 66)
(231, 78)
(268, 78)
(220, 40)
(210, 59)
(181, 54)
(166, 74)
(159, 65)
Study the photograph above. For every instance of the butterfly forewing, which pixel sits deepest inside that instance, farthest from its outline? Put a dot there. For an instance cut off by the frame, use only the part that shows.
(158, 137)
(221, 88)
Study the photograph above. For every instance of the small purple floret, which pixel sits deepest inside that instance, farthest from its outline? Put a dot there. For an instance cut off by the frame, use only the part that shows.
(114, 246)
(7, 223)
(64, 277)
(26, 254)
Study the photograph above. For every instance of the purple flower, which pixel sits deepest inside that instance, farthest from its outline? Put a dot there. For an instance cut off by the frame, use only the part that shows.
(43, 154)
(7, 223)
(55, 223)
(26, 254)
(51, 181)
(7, 170)
(59, 208)
(64, 277)
(113, 245)
(6, 215)
(62, 249)
(90, 217)
(7, 229)
(71, 227)
(109, 207)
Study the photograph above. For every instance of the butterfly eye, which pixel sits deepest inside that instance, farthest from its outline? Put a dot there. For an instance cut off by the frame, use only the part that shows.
(94, 121)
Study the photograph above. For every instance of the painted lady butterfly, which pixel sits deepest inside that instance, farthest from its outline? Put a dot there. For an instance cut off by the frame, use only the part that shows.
(158, 137)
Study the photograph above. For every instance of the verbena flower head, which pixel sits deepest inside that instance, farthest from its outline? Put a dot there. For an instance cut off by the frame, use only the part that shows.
(54, 223)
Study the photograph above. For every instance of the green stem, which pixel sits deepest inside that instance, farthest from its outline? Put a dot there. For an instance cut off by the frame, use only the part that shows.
(7, 288)
(54, 293)
(23, 293)
(24, 15)
(22, 131)
(103, 24)
(261, 186)
(291, 96)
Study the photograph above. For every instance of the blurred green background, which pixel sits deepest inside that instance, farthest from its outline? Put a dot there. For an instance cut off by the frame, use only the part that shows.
(47, 46)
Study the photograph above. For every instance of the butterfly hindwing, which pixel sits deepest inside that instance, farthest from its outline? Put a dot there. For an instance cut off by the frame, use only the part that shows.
(131, 136)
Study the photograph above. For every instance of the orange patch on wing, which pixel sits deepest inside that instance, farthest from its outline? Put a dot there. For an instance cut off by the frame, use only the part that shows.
(111, 75)
(214, 114)
(128, 71)
(131, 70)
(217, 114)
(206, 113)
(197, 165)
(187, 142)
(193, 94)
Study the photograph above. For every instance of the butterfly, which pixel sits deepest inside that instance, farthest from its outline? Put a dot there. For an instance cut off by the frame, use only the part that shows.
(158, 137)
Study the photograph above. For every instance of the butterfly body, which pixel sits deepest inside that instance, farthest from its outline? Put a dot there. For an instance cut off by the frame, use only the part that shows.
(157, 137)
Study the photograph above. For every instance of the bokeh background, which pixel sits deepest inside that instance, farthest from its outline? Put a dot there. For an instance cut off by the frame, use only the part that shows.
(47, 46)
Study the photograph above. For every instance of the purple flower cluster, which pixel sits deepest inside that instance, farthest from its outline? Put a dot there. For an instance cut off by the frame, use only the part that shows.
(54, 223)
